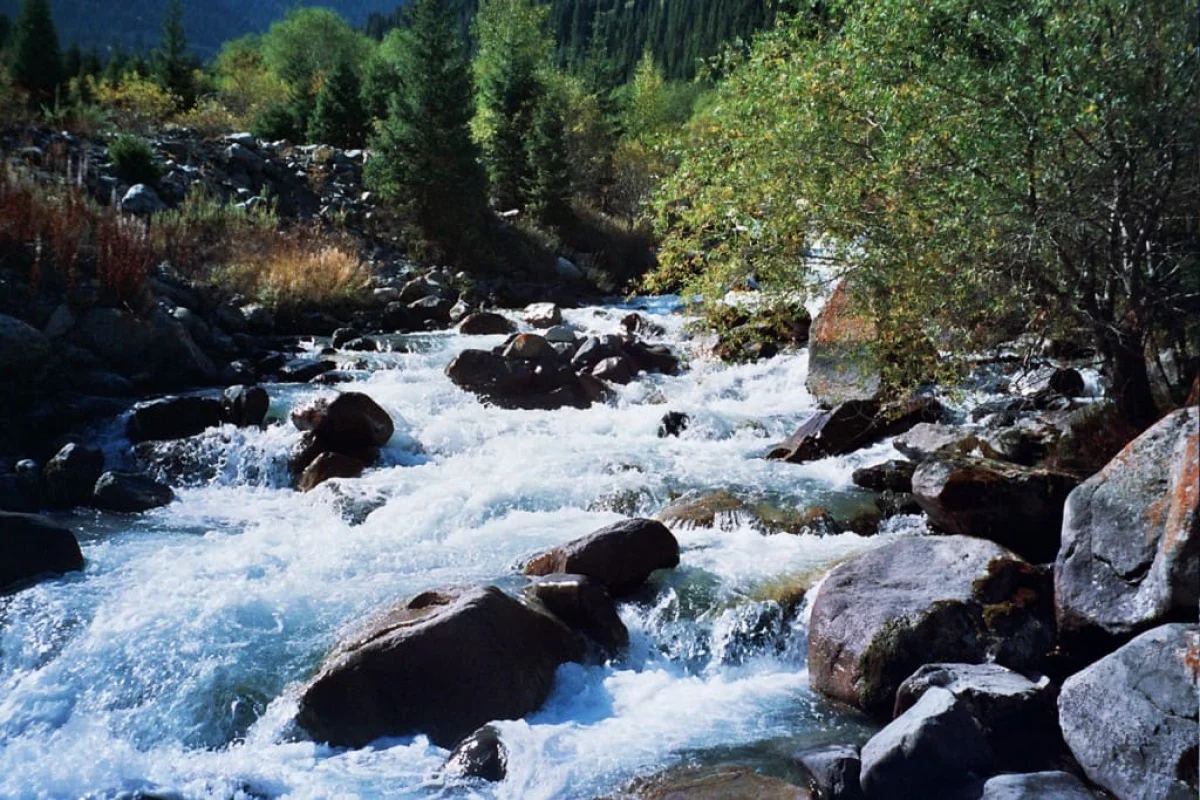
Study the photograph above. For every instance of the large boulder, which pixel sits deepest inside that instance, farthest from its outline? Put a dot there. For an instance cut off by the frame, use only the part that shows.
(245, 406)
(517, 382)
(1016, 714)
(351, 421)
(157, 347)
(1036, 786)
(881, 615)
(140, 199)
(543, 315)
(172, 418)
(835, 771)
(1018, 507)
(480, 755)
(890, 476)
(22, 347)
(127, 493)
(934, 749)
(70, 476)
(726, 782)
(585, 605)
(442, 664)
(842, 364)
(931, 438)
(486, 323)
(620, 556)
(851, 425)
(1130, 555)
(327, 466)
(32, 546)
(1130, 719)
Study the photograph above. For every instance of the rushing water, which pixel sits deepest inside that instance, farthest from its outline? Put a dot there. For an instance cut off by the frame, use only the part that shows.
(170, 664)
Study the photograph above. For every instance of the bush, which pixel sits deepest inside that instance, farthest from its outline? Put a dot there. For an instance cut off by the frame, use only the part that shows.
(134, 159)
(209, 118)
(135, 103)
(277, 120)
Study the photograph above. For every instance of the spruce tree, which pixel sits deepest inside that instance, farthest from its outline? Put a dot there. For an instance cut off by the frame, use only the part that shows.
(173, 66)
(5, 30)
(339, 117)
(425, 162)
(548, 186)
(72, 61)
(36, 66)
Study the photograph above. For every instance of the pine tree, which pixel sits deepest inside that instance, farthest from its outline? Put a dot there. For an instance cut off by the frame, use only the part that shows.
(339, 117)
(548, 185)
(425, 162)
(513, 50)
(92, 66)
(36, 64)
(5, 30)
(172, 66)
(72, 61)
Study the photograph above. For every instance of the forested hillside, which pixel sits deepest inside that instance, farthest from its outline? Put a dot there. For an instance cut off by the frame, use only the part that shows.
(137, 24)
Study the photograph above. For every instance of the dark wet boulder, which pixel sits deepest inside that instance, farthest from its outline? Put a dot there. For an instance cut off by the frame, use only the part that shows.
(1018, 507)
(879, 616)
(842, 364)
(343, 335)
(32, 546)
(890, 476)
(19, 493)
(530, 347)
(23, 348)
(432, 310)
(517, 383)
(595, 349)
(634, 324)
(349, 422)
(620, 556)
(480, 755)
(1036, 786)
(70, 476)
(1130, 555)
(361, 344)
(934, 749)
(327, 466)
(245, 406)
(172, 418)
(615, 370)
(486, 323)
(442, 663)
(651, 358)
(727, 782)
(585, 606)
(127, 493)
(1130, 719)
(1016, 714)
(303, 370)
(835, 772)
(1067, 381)
(852, 425)
(673, 423)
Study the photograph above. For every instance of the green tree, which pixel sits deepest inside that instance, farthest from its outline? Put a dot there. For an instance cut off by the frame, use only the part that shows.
(548, 183)
(982, 168)
(338, 117)
(5, 30)
(513, 51)
(72, 61)
(380, 78)
(173, 67)
(307, 43)
(36, 65)
(425, 162)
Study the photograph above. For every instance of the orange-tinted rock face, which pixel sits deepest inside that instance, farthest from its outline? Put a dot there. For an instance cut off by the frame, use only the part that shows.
(840, 364)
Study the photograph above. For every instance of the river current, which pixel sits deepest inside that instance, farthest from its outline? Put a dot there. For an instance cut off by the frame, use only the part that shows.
(169, 666)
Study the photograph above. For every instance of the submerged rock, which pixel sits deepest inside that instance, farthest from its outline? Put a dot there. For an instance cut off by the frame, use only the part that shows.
(1018, 507)
(835, 771)
(890, 476)
(880, 616)
(125, 492)
(442, 664)
(1130, 719)
(303, 370)
(620, 556)
(1130, 555)
(713, 783)
(673, 423)
(32, 546)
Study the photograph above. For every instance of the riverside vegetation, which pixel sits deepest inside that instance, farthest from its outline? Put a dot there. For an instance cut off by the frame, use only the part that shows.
(318, 398)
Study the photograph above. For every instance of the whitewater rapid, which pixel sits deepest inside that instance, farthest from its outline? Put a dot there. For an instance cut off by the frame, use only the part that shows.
(169, 665)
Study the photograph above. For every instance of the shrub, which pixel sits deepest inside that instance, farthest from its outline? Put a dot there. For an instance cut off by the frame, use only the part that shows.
(209, 118)
(135, 103)
(134, 159)
(277, 120)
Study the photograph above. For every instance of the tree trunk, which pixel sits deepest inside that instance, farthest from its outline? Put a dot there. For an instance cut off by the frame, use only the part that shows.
(1125, 363)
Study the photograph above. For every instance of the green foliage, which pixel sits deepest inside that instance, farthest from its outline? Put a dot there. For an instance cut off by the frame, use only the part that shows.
(974, 163)
(134, 159)
(36, 66)
(380, 80)
(277, 120)
(513, 51)
(548, 183)
(173, 67)
(338, 117)
(307, 43)
(425, 162)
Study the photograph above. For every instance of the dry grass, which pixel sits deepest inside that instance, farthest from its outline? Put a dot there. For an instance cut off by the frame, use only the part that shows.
(56, 235)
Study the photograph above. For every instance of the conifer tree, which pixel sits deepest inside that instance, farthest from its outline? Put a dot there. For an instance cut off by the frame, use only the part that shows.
(172, 65)
(72, 61)
(5, 30)
(513, 50)
(548, 186)
(339, 117)
(36, 63)
(425, 162)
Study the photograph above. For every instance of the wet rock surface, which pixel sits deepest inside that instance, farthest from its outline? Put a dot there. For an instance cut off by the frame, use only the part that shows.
(620, 556)
(33, 546)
